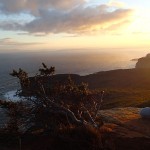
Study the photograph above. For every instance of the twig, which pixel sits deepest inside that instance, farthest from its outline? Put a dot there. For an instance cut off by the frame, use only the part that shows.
(99, 106)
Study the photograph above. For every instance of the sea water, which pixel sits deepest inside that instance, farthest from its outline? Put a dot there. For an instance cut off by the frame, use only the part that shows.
(82, 62)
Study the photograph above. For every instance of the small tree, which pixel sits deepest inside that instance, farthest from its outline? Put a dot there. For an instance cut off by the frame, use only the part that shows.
(45, 71)
(64, 104)
(23, 78)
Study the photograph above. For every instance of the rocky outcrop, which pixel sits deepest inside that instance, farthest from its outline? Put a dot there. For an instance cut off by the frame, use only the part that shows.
(130, 130)
(128, 118)
(144, 62)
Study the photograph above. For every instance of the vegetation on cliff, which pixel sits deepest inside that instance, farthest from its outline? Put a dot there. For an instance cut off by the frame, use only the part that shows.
(56, 109)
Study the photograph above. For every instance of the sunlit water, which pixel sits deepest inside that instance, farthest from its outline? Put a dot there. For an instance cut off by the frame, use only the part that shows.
(76, 61)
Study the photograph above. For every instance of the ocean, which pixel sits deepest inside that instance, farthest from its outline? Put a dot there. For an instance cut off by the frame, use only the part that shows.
(80, 62)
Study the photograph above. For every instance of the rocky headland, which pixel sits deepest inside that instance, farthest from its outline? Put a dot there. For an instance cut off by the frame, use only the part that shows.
(143, 63)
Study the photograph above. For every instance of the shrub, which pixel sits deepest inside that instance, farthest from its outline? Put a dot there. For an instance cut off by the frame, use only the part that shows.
(51, 107)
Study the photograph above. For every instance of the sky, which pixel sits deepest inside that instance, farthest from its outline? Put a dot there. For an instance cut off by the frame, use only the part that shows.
(74, 24)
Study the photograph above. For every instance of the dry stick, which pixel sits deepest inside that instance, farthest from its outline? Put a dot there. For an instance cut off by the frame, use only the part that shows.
(98, 108)
(62, 109)
(70, 113)
(91, 120)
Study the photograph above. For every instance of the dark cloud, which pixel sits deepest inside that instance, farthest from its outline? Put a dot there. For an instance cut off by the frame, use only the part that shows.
(76, 19)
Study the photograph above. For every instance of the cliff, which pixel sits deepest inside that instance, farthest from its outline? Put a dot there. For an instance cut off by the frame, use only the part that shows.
(121, 78)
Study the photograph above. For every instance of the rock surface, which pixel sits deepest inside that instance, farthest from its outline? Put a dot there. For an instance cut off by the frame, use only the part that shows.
(128, 118)
(131, 132)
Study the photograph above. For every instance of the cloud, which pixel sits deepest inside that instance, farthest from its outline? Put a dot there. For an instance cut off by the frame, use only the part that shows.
(12, 42)
(33, 6)
(117, 3)
(54, 18)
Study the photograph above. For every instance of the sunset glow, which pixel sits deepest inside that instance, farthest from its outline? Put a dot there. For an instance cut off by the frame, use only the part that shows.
(51, 24)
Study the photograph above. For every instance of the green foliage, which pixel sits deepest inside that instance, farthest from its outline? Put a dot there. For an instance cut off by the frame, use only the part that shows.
(18, 113)
(71, 92)
(45, 71)
(22, 76)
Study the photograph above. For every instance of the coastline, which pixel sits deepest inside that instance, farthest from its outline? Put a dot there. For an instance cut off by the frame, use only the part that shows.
(11, 96)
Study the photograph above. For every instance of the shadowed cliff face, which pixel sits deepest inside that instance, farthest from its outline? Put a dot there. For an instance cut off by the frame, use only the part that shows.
(144, 62)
